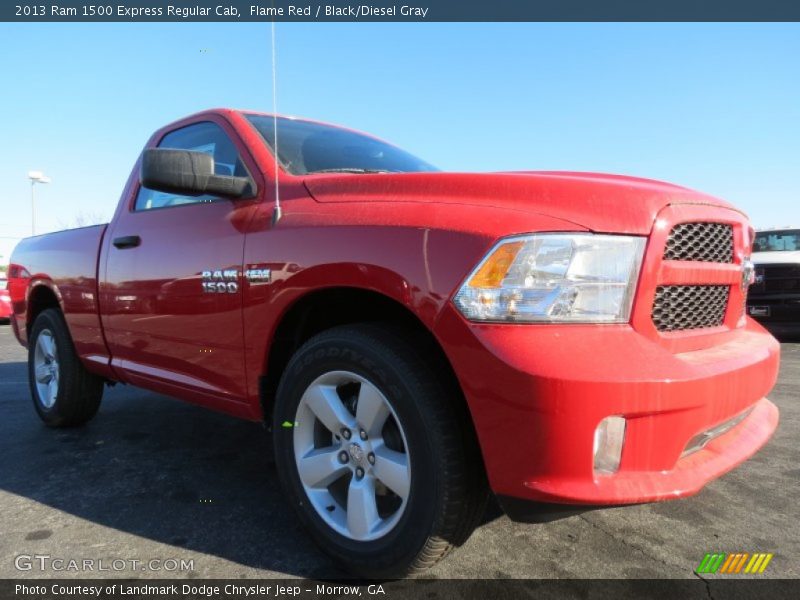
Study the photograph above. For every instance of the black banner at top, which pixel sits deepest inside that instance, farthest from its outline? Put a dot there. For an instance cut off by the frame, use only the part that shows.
(144, 11)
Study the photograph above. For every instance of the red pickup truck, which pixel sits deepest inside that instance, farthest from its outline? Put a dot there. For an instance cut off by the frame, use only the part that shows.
(5, 299)
(413, 339)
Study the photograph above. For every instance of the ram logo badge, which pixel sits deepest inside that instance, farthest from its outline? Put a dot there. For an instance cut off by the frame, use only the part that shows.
(748, 274)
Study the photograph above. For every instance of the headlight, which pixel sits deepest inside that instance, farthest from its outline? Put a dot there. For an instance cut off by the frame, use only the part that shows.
(555, 277)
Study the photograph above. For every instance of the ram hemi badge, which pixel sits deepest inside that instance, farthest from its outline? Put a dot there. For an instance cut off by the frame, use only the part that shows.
(258, 275)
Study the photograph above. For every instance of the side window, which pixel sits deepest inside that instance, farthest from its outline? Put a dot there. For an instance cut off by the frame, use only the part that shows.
(201, 137)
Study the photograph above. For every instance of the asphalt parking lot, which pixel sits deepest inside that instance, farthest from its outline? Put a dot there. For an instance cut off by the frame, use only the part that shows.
(152, 478)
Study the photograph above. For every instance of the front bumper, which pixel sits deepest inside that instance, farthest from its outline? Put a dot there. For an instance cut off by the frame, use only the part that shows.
(537, 393)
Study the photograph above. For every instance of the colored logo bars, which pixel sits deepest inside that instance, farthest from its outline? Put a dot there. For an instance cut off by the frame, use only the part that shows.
(734, 563)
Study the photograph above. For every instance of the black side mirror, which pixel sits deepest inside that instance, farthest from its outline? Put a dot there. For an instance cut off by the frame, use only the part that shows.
(189, 174)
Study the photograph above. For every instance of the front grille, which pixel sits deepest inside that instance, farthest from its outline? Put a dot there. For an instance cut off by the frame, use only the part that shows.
(710, 242)
(679, 307)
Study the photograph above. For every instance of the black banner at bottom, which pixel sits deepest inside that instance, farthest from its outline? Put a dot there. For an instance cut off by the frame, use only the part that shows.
(422, 589)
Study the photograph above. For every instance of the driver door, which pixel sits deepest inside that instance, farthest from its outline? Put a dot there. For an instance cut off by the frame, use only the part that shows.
(172, 289)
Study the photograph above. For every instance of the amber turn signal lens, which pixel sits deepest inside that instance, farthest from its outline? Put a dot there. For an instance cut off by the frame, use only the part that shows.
(493, 271)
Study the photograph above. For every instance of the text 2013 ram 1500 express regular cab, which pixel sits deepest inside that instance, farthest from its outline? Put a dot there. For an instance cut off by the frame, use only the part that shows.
(412, 338)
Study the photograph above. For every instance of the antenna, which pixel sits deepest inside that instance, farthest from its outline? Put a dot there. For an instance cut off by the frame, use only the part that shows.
(276, 213)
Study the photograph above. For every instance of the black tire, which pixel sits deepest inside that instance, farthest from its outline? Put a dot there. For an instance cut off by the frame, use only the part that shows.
(79, 392)
(448, 488)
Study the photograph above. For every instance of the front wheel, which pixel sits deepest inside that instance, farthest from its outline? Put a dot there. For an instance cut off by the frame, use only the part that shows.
(64, 393)
(376, 453)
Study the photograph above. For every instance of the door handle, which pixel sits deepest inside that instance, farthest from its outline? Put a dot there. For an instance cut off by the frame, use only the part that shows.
(127, 241)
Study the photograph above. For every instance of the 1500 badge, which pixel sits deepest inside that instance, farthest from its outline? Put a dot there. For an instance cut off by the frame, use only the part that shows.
(220, 282)
(226, 281)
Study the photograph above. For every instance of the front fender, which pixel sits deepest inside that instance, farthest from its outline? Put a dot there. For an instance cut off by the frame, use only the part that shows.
(414, 267)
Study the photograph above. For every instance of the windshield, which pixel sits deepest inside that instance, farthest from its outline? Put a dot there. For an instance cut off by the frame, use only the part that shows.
(305, 148)
(777, 241)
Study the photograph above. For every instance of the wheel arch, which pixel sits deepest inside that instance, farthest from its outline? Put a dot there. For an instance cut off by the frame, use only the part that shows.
(324, 309)
(41, 296)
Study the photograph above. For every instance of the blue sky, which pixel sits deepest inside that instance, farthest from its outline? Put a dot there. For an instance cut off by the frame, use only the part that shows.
(715, 107)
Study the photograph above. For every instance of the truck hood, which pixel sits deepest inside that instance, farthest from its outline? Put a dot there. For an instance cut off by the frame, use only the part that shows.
(776, 258)
(598, 202)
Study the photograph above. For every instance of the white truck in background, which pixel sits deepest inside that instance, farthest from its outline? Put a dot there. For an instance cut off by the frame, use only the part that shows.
(774, 297)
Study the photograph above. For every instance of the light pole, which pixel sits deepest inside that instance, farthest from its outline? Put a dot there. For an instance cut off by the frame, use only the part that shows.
(35, 177)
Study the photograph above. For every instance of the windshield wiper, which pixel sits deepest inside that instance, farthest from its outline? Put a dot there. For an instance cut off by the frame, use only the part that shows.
(349, 170)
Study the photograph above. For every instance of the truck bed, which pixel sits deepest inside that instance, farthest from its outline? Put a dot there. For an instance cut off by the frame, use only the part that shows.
(66, 263)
